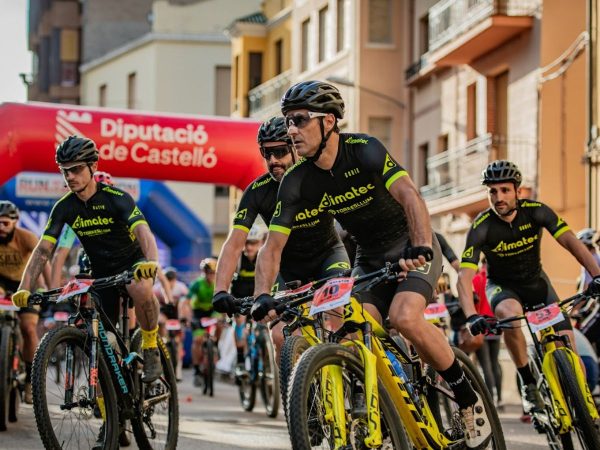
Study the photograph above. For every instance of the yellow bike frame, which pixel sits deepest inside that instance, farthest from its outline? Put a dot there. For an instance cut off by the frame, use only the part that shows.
(418, 421)
(560, 411)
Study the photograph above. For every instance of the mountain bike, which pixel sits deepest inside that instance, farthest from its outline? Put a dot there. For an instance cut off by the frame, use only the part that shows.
(353, 392)
(102, 368)
(12, 367)
(259, 372)
(569, 406)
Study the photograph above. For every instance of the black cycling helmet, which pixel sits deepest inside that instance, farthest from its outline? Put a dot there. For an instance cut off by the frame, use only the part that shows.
(273, 130)
(76, 149)
(9, 209)
(501, 171)
(315, 96)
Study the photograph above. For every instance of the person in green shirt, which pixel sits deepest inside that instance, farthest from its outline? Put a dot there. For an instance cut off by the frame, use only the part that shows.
(200, 297)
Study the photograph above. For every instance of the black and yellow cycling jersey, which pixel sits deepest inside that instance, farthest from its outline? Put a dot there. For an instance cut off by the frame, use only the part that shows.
(242, 284)
(313, 233)
(354, 191)
(104, 225)
(512, 249)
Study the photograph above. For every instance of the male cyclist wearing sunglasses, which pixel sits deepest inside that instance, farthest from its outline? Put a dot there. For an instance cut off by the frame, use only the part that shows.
(353, 177)
(313, 250)
(114, 234)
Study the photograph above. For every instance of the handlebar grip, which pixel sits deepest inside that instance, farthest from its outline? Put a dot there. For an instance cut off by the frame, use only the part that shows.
(35, 299)
(279, 309)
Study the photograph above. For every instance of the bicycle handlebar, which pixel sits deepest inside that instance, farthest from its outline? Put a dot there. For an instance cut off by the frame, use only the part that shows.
(499, 324)
(125, 277)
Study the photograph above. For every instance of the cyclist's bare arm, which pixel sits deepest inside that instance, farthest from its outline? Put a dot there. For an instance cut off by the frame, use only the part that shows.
(569, 241)
(228, 259)
(147, 242)
(165, 286)
(58, 261)
(405, 192)
(268, 261)
(465, 290)
(36, 264)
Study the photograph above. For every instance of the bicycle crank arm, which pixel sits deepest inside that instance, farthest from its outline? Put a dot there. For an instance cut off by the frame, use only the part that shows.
(154, 400)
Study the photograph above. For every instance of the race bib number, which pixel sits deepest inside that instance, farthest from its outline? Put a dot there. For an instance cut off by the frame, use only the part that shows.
(545, 317)
(436, 311)
(208, 322)
(74, 287)
(61, 316)
(6, 304)
(336, 292)
(173, 325)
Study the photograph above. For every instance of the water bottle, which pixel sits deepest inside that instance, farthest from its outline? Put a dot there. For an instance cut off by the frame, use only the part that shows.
(402, 375)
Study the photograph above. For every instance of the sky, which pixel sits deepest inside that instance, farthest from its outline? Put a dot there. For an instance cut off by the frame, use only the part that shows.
(14, 56)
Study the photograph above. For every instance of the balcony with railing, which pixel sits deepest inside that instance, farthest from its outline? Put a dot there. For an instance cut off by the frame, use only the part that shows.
(460, 31)
(457, 171)
(264, 99)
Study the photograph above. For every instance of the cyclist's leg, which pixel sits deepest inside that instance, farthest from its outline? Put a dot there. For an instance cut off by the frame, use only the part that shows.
(28, 320)
(505, 302)
(494, 347)
(276, 332)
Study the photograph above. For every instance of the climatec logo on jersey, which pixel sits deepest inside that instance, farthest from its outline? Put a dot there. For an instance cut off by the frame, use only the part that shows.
(507, 247)
(468, 253)
(277, 209)
(95, 221)
(241, 214)
(388, 164)
(136, 212)
(329, 200)
(258, 184)
(353, 140)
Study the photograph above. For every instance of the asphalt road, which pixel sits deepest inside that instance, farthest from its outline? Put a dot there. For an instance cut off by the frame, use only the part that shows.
(220, 423)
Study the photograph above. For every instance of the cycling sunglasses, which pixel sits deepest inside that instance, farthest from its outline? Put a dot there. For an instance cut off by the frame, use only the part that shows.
(299, 120)
(6, 223)
(278, 151)
(75, 170)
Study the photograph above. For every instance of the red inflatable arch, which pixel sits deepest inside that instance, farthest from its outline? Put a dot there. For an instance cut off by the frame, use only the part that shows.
(131, 143)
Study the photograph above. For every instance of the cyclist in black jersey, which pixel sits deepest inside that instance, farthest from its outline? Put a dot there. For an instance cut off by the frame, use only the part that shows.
(509, 234)
(112, 231)
(353, 178)
(313, 250)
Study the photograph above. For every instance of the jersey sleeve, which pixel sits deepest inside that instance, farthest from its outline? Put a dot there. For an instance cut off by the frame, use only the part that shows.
(287, 204)
(128, 211)
(545, 216)
(475, 240)
(446, 249)
(247, 211)
(55, 222)
(378, 160)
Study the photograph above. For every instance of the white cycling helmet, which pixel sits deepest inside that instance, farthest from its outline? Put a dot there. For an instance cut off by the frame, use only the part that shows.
(587, 236)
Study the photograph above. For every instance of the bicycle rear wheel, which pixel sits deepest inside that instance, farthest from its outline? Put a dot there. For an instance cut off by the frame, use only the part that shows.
(71, 426)
(448, 415)
(269, 381)
(293, 347)
(247, 384)
(583, 423)
(157, 427)
(307, 425)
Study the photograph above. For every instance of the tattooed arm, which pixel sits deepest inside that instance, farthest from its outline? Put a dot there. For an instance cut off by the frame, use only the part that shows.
(36, 264)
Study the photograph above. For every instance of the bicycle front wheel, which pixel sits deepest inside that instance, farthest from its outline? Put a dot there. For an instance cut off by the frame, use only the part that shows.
(582, 421)
(6, 343)
(269, 381)
(74, 425)
(157, 425)
(308, 426)
(293, 347)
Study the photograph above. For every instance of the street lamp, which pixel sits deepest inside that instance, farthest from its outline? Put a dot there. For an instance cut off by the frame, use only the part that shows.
(345, 82)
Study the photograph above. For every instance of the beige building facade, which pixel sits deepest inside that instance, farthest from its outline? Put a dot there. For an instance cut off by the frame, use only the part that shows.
(357, 45)
(183, 66)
